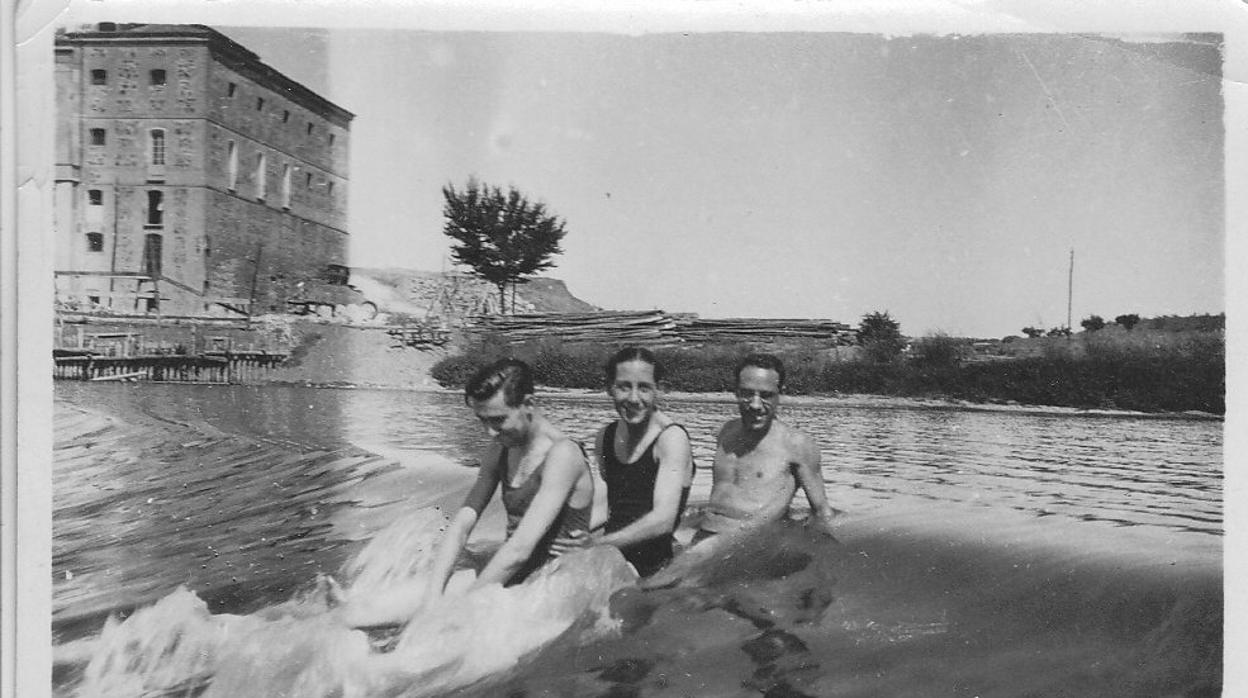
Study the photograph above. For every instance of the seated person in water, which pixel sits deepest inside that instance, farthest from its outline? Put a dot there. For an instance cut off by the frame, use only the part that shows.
(759, 464)
(547, 492)
(645, 459)
(760, 461)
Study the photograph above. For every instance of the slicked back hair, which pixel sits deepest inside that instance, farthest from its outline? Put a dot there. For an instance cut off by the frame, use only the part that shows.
(511, 376)
(632, 354)
(770, 362)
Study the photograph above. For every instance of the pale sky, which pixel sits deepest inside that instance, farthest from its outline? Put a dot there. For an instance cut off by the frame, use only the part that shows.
(942, 179)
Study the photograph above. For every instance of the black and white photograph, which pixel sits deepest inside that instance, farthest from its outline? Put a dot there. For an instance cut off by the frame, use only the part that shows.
(692, 349)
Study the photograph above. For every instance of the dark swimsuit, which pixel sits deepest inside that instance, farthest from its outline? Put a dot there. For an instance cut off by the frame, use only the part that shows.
(516, 501)
(630, 496)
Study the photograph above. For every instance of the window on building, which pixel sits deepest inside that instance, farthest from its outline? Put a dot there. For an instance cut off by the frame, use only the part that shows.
(93, 298)
(286, 186)
(331, 140)
(207, 246)
(309, 128)
(329, 189)
(99, 76)
(152, 244)
(95, 197)
(157, 76)
(259, 103)
(232, 165)
(155, 208)
(229, 91)
(307, 180)
(95, 242)
(261, 180)
(156, 138)
(285, 115)
(97, 136)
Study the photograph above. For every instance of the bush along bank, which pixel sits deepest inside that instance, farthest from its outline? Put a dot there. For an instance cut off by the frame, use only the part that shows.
(1186, 374)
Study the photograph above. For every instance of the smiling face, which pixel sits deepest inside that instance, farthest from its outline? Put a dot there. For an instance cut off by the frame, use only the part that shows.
(505, 424)
(758, 392)
(634, 392)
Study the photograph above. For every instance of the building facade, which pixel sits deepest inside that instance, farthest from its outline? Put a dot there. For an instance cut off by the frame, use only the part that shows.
(191, 178)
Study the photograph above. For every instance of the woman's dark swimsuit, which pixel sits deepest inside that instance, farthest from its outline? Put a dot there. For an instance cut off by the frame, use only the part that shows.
(630, 496)
(516, 501)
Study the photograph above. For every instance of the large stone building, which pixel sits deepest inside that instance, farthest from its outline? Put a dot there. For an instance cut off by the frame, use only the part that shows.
(191, 178)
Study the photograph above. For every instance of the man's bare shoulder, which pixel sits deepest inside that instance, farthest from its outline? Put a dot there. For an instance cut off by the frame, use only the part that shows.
(730, 430)
(796, 442)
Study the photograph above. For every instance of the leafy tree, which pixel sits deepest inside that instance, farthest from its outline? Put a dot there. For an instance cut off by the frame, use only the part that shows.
(1033, 332)
(880, 336)
(1058, 332)
(1092, 323)
(1128, 321)
(939, 350)
(502, 237)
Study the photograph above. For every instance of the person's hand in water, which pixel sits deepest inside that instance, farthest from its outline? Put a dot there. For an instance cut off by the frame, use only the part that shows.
(332, 591)
(577, 540)
(823, 526)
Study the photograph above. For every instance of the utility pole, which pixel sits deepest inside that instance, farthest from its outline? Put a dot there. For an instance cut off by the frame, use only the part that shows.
(1070, 291)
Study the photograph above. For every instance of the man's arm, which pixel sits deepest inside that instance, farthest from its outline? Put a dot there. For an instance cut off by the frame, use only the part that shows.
(399, 605)
(675, 456)
(808, 472)
(563, 466)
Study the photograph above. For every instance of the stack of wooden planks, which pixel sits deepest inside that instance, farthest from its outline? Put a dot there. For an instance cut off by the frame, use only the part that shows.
(645, 327)
(657, 328)
(757, 330)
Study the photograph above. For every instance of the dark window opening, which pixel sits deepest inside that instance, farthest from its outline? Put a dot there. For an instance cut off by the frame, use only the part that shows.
(95, 242)
(259, 103)
(331, 140)
(152, 244)
(94, 300)
(329, 188)
(307, 180)
(337, 274)
(99, 77)
(229, 92)
(158, 146)
(309, 128)
(155, 208)
(157, 76)
(95, 197)
(97, 136)
(285, 115)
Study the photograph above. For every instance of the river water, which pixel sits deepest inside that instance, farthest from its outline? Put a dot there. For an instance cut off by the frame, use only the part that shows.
(980, 553)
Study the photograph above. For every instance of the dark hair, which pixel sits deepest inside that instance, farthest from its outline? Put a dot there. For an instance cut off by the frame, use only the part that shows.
(512, 376)
(770, 362)
(632, 354)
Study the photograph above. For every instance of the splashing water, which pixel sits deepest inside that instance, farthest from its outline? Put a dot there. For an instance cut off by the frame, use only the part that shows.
(175, 647)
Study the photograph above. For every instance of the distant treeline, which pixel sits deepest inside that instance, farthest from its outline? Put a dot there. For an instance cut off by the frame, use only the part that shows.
(1143, 371)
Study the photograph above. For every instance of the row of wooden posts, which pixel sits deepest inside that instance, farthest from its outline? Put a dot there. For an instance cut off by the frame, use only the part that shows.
(212, 367)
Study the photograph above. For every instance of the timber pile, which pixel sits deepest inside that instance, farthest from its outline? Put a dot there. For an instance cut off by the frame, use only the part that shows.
(756, 330)
(646, 327)
(657, 328)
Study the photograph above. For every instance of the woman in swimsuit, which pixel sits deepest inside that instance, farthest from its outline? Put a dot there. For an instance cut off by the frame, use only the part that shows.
(644, 457)
(547, 492)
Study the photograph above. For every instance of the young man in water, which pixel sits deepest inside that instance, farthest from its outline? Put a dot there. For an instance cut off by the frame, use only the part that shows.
(759, 463)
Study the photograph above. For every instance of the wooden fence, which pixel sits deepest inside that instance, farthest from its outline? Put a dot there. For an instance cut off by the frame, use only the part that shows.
(210, 367)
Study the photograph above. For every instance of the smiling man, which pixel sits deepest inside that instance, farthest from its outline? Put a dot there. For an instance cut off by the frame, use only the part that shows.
(760, 461)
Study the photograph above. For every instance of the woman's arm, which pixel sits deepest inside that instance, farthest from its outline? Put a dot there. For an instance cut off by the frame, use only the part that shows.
(563, 466)
(598, 517)
(675, 456)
